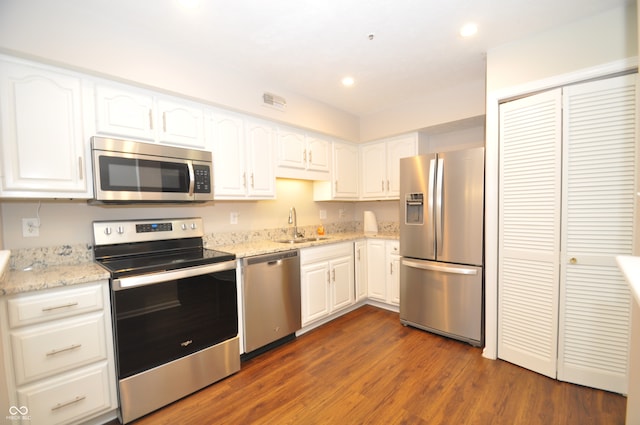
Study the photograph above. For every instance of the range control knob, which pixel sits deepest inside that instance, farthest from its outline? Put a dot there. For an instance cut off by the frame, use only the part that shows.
(120, 230)
(107, 231)
(194, 226)
(183, 226)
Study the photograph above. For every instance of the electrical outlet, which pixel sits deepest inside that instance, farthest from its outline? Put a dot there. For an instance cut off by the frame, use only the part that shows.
(30, 227)
(341, 213)
(323, 214)
(233, 218)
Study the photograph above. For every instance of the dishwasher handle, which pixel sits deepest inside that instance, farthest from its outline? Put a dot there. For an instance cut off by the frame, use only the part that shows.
(271, 259)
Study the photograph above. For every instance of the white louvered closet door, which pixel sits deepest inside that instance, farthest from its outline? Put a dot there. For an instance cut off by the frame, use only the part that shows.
(529, 240)
(599, 140)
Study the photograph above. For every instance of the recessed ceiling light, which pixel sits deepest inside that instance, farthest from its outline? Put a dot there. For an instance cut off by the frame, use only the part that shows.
(469, 29)
(348, 81)
(189, 4)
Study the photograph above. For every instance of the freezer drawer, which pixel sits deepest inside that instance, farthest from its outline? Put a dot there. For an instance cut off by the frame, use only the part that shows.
(442, 298)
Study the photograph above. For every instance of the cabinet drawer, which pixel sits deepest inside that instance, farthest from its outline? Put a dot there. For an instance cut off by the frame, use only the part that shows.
(56, 304)
(42, 351)
(325, 252)
(69, 397)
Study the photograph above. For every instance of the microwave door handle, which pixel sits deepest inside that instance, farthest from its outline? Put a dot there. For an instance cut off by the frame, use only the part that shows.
(192, 178)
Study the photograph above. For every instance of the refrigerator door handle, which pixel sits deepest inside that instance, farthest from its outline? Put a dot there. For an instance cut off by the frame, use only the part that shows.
(439, 206)
(437, 267)
(432, 181)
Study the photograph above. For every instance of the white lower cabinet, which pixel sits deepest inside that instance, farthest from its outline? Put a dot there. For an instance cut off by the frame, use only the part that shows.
(327, 279)
(360, 262)
(383, 271)
(58, 344)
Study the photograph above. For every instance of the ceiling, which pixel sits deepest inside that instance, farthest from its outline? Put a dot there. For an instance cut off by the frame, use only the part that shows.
(308, 46)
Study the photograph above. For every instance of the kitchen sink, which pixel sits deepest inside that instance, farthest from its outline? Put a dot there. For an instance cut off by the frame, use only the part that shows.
(302, 240)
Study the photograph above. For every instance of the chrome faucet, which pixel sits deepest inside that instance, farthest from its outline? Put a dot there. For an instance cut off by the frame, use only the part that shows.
(293, 219)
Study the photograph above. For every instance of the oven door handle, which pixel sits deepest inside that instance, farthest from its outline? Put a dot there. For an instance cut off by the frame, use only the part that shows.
(152, 278)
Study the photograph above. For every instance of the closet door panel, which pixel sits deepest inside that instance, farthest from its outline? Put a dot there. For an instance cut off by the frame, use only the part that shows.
(598, 203)
(529, 240)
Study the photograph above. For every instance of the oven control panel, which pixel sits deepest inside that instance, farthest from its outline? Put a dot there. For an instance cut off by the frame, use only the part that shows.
(127, 231)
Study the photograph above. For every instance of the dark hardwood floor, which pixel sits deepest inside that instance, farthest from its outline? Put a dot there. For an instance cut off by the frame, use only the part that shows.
(366, 368)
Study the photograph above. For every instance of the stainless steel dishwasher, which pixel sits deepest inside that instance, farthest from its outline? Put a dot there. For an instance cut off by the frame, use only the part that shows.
(271, 294)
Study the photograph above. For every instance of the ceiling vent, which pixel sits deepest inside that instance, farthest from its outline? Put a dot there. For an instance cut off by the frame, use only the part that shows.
(274, 101)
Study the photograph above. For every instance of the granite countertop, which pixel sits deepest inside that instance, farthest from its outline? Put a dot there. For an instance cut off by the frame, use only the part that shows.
(45, 275)
(630, 267)
(264, 246)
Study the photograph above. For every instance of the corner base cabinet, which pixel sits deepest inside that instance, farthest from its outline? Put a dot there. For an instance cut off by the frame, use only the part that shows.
(58, 354)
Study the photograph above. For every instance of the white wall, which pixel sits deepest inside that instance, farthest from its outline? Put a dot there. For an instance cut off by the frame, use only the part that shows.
(69, 222)
(585, 49)
(600, 39)
(449, 104)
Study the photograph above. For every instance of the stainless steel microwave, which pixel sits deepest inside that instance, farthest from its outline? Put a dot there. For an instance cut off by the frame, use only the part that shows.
(126, 171)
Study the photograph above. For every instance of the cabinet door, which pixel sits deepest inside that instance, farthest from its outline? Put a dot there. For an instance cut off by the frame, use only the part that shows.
(599, 159)
(260, 176)
(345, 171)
(314, 292)
(124, 113)
(360, 262)
(318, 154)
(342, 282)
(529, 239)
(376, 270)
(398, 148)
(42, 144)
(374, 170)
(181, 123)
(292, 150)
(228, 156)
(393, 272)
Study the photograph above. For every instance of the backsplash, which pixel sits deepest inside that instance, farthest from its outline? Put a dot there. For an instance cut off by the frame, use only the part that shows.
(26, 258)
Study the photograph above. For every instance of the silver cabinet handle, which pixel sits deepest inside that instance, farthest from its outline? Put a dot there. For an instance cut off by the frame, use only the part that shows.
(80, 171)
(150, 119)
(57, 307)
(333, 275)
(67, 403)
(310, 157)
(304, 155)
(244, 179)
(437, 267)
(382, 181)
(62, 350)
(252, 182)
(164, 122)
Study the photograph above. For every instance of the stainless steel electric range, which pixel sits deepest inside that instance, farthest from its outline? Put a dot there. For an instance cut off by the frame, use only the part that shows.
(174, 309)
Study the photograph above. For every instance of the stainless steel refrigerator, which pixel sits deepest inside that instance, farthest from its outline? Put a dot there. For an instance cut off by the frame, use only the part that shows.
(441, 243)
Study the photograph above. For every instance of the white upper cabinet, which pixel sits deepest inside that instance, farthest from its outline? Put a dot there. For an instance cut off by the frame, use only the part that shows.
(242, 157)
(380, 162)
(302, 155)
(127, 112)
(44, 149)
(344, 175)
(124, 113)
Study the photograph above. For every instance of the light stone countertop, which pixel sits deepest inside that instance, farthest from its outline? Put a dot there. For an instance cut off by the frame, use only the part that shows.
(630, 267)
(4, 263)
(259, 247)
(40, 277)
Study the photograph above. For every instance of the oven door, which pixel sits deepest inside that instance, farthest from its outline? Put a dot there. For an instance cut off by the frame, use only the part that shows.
(164, 316)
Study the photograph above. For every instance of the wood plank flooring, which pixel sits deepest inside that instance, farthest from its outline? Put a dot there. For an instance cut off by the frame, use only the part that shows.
(366, 368)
